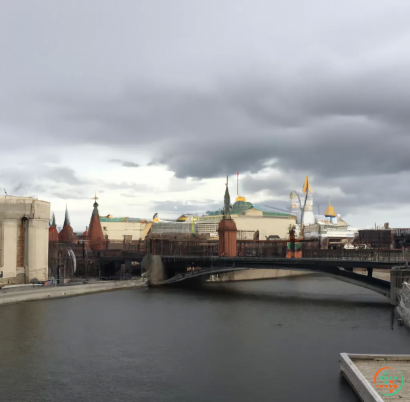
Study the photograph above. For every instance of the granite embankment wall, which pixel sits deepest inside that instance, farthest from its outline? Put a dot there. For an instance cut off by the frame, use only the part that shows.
(15, 295)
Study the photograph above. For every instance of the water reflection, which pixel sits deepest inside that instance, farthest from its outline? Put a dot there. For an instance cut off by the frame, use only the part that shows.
(261, 341)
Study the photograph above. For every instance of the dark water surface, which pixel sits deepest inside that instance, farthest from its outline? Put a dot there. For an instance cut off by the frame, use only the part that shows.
(276, 340)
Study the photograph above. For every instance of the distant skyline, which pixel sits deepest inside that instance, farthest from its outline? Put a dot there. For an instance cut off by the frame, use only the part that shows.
(152, 103)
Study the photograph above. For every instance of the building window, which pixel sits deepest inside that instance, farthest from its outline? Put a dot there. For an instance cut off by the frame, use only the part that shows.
(104, 227)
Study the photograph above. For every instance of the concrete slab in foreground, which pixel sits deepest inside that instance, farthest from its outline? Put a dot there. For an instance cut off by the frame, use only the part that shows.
(378, 377)
(50, 292)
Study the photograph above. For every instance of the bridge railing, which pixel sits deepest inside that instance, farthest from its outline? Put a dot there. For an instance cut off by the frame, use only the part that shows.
(134, 245)
(183, 248)
(358, 255)
(272, 248)
(245, 248)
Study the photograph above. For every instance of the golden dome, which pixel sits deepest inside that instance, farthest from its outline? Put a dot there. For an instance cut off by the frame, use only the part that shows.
(330, 212)
(240, 198)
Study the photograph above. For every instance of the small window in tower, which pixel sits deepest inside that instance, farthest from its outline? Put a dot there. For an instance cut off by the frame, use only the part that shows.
(104, 227)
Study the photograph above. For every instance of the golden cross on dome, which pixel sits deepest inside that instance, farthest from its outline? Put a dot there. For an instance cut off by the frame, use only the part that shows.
(95, 198)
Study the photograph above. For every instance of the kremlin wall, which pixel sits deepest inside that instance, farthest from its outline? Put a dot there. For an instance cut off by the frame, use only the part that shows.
(32, 249)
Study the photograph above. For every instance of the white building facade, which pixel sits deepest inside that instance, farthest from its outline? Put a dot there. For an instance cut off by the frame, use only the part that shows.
(124, 228)
(24, 224)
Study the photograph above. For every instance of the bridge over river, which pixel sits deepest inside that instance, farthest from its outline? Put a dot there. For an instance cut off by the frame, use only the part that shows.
(173, 262)
(167, 270)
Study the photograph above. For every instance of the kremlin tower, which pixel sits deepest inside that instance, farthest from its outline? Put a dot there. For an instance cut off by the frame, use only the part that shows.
(52, 230)
(67, 234)
(95, 232)
(227, 229)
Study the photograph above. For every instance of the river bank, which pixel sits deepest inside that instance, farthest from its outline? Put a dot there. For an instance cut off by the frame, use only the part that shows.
(16, 295)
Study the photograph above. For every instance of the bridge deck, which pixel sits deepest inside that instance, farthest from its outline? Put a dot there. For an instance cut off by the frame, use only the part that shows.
(279, 262)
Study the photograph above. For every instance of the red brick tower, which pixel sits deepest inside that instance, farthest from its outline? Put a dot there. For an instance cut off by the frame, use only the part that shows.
(67, 234)
(227, 229)
(95, 232)
(52, 230)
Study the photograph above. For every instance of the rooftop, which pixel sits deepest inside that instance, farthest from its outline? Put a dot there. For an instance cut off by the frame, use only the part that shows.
(110, 218)
(239, 207)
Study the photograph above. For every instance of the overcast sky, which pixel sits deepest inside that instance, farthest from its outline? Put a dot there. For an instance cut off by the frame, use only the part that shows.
(151, 103)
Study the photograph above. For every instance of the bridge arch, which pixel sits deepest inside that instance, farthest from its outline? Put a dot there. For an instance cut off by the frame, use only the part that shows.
(377, 285)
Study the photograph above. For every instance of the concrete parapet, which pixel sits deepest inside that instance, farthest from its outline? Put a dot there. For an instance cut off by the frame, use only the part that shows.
(17, 280)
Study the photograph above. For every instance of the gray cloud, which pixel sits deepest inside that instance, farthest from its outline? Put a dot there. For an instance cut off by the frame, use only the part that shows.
(62, 175)
(124, 163)
(69, 196)
(325, 97)
(314, 125)
(179, 207)
(123, 186)
(351, 195)
(38, 179)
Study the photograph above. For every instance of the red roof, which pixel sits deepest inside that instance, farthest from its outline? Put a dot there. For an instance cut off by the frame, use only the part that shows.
(52, 234)
(67, 235)
(95, 232)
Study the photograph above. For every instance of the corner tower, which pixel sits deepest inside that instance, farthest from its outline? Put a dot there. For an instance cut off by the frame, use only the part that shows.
(67, 234)
(95, 232)
(52, 230)
(227, 229)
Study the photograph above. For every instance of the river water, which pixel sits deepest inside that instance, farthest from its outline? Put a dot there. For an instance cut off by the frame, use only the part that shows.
(273, 340)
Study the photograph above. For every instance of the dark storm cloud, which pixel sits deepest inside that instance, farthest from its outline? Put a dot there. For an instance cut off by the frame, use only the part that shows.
(352, 195)
(341, 128)
(277, 184)
(124, 163)
(212, 88)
